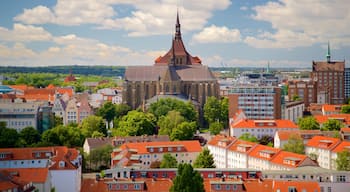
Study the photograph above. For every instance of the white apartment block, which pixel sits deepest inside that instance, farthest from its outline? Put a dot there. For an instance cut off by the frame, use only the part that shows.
(237, 154)
(293, 110)
(218, 147)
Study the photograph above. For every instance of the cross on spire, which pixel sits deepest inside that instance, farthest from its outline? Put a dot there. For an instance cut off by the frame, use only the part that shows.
(177, 27)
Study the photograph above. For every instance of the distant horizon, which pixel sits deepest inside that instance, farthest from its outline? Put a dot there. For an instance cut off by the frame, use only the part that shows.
(225, 33)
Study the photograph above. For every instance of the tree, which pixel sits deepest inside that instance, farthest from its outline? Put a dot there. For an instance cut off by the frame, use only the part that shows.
(187, 180)
(184, 131)
(121, 110)
(107, 112)
(169, 122)
(295, 144)
(100, 158)
(345, 109)
(248, 137)
(296, 98)
(8, 137)
(163, 106)
(97, 134)
(136, 123)
(168, 161)
(29, 136)
(57, 121)
(343, 161)
(308, 123)
(91, 124)
(69, 136)
(332, 125)
(216, 110)
(224, 111)
(265, 140)
(204, 160)
(215, 128)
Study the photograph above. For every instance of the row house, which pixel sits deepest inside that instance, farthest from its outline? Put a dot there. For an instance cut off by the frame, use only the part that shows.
(218, 146)
(9, 182)
(328, 109)
(145, 153)
(325, 149)
(345, 134)
(244, 154)
(260, 128)
(328, 180)
(282, 137)
(62, 164)
(343, 118)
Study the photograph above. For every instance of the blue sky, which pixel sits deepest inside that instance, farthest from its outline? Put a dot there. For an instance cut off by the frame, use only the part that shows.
(236, 33)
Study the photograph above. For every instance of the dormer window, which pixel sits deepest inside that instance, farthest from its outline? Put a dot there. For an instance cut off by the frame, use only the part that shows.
(2, 156)
(178, 148)
(62, 164)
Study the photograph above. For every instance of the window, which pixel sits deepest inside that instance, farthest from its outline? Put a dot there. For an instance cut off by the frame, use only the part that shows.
(329, 189)
(161, 149)
(210, 175)
(151, 149)
(170, 148)
(227, 187)
(235, 187)
(2, 156)
(126, 186)
(178, 148)
(341, 178)
(217, 186)
(137, 186)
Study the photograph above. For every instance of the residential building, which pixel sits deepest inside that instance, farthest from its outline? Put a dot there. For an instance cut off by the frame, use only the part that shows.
(347, 83)
(330, 74)
(260, 128)
(63, 164)
(331, 109)
(328, 180)
(345, 134)
(11, 183)
(282, 137)
(322, 147)
(176, 74)
(343, 146)
(268, 185)
(259, 158)
(257, 102)
(343, 118)
(237, 154)
(293, 110)
(146, 153)
(218, 146)
(306, 91)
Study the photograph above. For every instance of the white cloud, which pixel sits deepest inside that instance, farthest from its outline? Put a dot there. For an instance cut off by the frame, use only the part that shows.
(215, 34)
(24, 33)
(243, 8)
(148, 17)
(303, 23)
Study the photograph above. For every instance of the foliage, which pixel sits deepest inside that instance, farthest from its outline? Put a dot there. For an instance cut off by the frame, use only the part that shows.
(100, 157)
(136, 123)
(345, 109)
(265, 140)
(295, 144)
(308, 123)
(216, 110)
(168, 161)
(97, 134)
(332, 125)
(163, 106)
(169, 122)
(296, 98)
(92, 124)
(215, 128)
(184, 131)
(204, 160)
(187, 180)
(69, 135)
(343, 161)
(107, 111)
(121, 110)
(29, 136)
(8, 137)
(249, 137)
(58, 121)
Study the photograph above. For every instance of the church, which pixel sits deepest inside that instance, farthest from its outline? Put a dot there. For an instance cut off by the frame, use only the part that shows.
(177, 74)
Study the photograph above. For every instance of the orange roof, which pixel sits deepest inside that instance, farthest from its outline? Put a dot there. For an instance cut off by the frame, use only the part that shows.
(21, 87)
(331, 108)
(64, 90)
(88, 184)
(278, 123)
(260, 150)
(190, 146)
(323, 142)
(6, 185)
(51, 86)
(323, 118)
(285, 135)
(70, 78)
(249, 145)
(344, 145)
(286, 158)
(217, 138)
(255, 185)
(283, 185)
(345, 130)
(35, 175)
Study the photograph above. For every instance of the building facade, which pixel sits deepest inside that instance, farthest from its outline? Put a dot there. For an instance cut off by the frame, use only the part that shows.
(177, 73)
(347, 83)
(304, 90)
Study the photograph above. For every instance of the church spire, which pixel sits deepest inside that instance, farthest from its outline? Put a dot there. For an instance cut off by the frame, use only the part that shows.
(328, 56)
(177, 27)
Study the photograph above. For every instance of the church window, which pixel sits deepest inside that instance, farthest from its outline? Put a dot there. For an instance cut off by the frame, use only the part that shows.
(166, 88)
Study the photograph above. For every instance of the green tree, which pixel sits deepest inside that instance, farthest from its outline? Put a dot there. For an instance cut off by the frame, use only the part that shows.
(265, 140)
(91, 124)
(168, 161)
(187, 180)
(224, 111)
(163, 106)
(184, 131)
(136, 123)
(345, 109)
(215, 128)
(29, 136)
(308, 123)
(107, 112)
(100, 158)
(296, 98)
(121, 110)
(69, 135)
(58, 121)
(204, 160)
(169, 122)
(97, 134)
(216, 110)
(332, 125)
(8, 137)
(343, 161)
(295, 144)
(249, 137)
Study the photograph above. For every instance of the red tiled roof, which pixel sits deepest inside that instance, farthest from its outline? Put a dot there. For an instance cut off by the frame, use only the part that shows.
(323, 142)
(216, 139)
(345, 130)
(254, 185)
(235, 145)
(285, 135)
(64, 90)
(284, 156)
(35, 175)
(21, 87)
(323, 118)
(299, 185)
(344, 145)
(190, 146)
(256, 152)
(331, 108)
(70, 78)
(6, 185)
(278, 123)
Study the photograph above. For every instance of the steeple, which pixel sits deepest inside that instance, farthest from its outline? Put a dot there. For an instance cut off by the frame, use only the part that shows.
(328, 56)
(177, 27)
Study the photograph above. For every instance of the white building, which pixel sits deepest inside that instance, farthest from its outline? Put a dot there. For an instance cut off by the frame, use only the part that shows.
(260, 128)
(237, 154)
(293, 110)
(218, 146)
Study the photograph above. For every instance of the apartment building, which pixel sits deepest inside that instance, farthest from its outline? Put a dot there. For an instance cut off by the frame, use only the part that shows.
(218, 146)
(282, 137)
(306, 91)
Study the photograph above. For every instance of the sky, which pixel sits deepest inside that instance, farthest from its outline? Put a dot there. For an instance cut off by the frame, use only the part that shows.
(223, 33)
